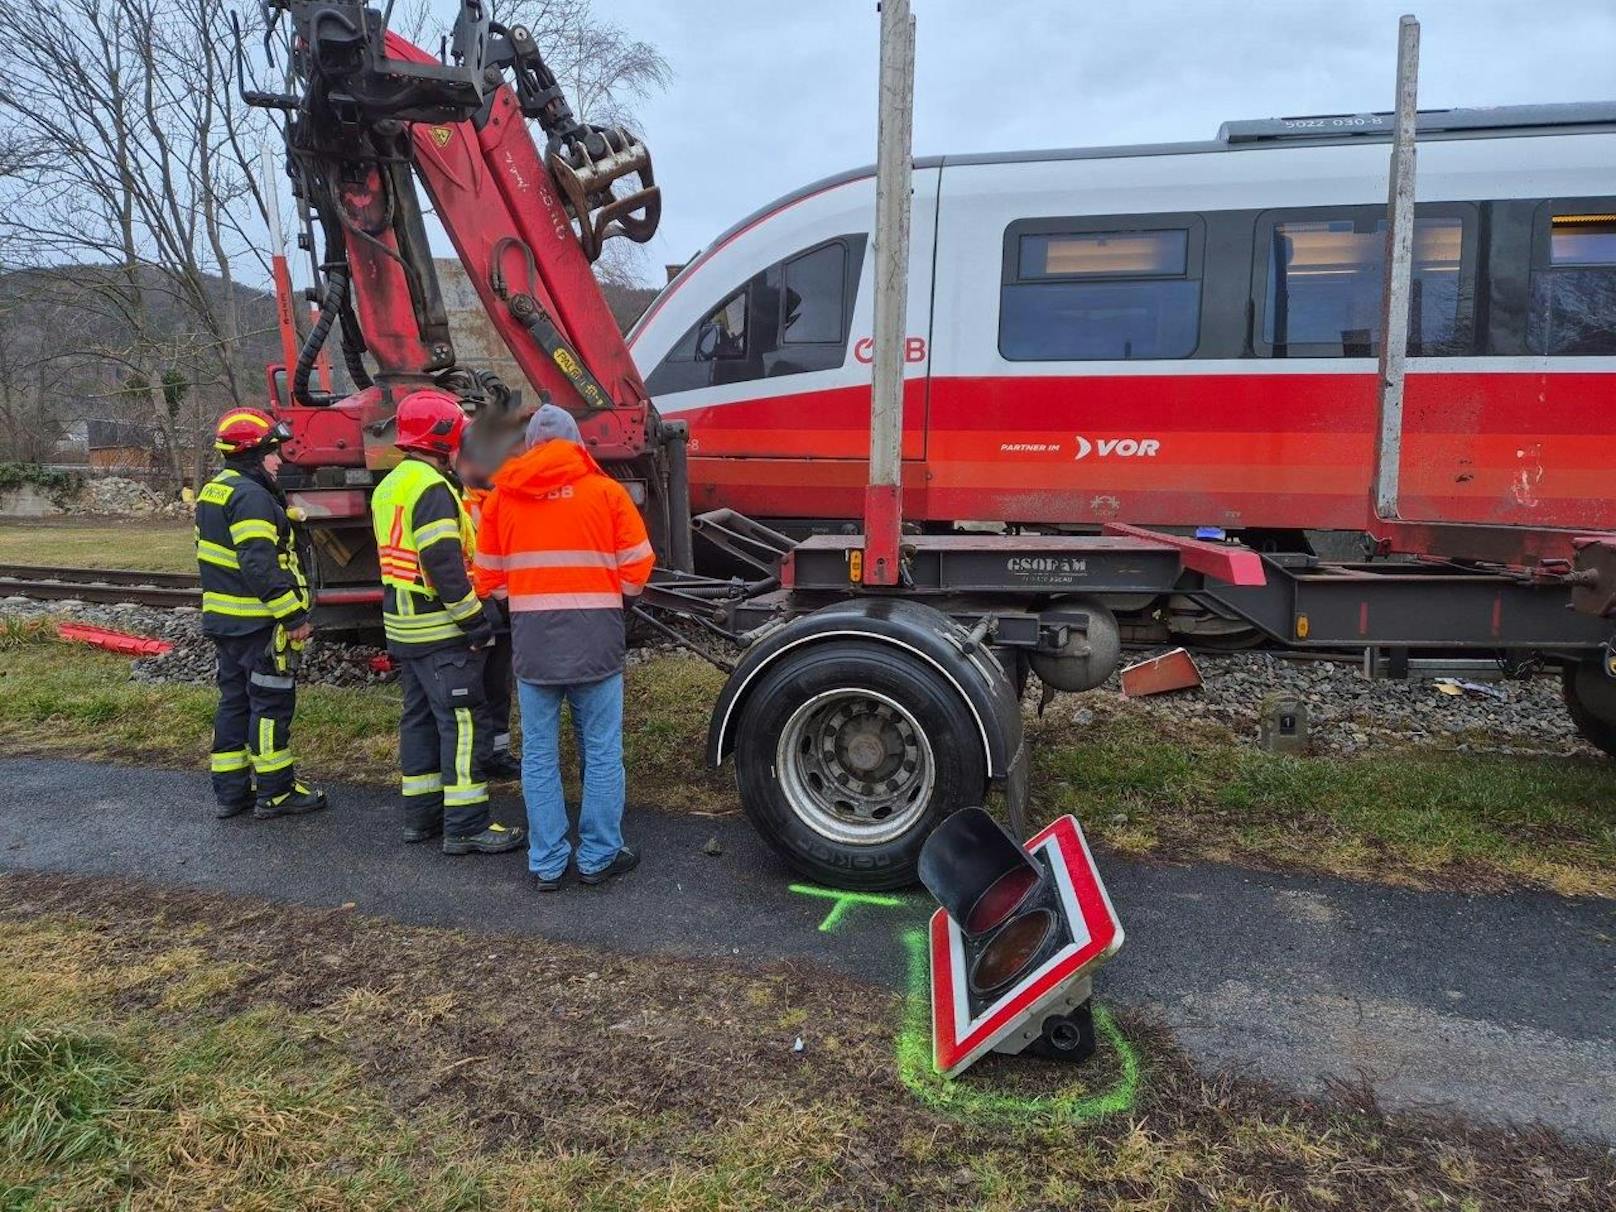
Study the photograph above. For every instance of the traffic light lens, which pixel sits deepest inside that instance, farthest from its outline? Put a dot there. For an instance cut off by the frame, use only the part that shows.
(1011, 950)
(1001, 899)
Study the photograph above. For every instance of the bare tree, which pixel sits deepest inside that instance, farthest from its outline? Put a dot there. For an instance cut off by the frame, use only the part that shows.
(606, 73)
(142, 181)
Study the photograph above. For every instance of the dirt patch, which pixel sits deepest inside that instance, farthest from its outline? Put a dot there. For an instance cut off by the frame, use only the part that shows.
(577, 1077)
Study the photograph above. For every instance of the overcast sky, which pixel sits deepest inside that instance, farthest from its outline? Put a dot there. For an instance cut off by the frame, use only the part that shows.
(768, 96)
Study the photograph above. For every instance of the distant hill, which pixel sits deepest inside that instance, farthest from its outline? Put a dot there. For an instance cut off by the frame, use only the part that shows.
(628, 303)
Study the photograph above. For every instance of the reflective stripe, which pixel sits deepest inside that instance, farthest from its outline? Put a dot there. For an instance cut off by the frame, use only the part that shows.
(566, 601)
(253, 528)
(252, 418)
(471, 793)
(434, 532)
(638, 552)
(423, 784)
(465, 732)
(494, 563)
(413, 621)
(228, 761)
(275, 759)
(632, 591)
(445, 630)
(560, 559)
(271, 681)
(502, 741)
(235, 606)
(269, 759)
(286, 604)
(465, 608)
(216, 553)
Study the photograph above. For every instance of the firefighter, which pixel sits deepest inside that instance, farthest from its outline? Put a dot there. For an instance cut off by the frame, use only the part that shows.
(255, 607)
(564, 542)
(438, 631)
(497, 669)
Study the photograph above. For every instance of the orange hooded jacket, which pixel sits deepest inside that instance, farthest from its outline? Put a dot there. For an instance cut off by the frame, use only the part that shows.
(562, 542)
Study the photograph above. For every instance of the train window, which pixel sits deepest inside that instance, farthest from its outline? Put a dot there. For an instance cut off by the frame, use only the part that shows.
(1325, 277)
(1573, 309)
(814, 297)
(1127, 254)
(1086, 290)
(721, 337)
(789, 319)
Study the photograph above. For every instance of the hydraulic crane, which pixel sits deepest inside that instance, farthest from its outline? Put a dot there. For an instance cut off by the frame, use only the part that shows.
(369, 115)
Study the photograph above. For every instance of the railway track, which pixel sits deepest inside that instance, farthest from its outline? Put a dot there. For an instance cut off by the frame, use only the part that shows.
(102, 585)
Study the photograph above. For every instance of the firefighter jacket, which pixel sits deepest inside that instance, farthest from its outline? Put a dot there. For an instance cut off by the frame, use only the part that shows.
(251, 577)
(564, 543)
(424, 539)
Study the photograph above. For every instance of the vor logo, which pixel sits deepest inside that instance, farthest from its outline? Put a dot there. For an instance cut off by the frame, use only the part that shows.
(1121, 448)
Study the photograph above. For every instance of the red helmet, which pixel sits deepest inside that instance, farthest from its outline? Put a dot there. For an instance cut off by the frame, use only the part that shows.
(430, 421)
(243, 430)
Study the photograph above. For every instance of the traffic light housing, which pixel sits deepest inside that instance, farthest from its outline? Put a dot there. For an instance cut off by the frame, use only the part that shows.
(1012, 948)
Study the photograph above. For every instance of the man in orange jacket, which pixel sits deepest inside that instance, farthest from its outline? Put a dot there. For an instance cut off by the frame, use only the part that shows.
(564, 545)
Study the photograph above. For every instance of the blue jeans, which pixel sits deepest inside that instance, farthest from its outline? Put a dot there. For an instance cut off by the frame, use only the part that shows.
(597, 722)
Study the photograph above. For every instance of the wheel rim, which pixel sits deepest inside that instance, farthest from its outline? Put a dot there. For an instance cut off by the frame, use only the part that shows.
(855, 766)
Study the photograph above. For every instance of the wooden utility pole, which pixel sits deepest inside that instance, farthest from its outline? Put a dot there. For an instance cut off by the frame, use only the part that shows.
(883, 495)
(1394, 301)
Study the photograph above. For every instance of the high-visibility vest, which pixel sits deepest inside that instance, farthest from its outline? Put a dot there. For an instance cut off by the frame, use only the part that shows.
(414, 613)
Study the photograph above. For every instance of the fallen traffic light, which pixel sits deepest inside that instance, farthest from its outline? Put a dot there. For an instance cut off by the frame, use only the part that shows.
(1019, 932)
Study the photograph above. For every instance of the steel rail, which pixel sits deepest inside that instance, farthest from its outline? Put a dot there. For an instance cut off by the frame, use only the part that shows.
(100, 585)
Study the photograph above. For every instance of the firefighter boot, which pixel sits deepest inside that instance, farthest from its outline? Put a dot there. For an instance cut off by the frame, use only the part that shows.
(423, 826)
(298, 800)
(496, 839)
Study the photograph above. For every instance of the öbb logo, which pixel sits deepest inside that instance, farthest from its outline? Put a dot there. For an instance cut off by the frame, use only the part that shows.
(914, 349)
(1122, 448)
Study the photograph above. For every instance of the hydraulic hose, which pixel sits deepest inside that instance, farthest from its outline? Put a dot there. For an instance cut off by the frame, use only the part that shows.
(353, 349)
(336, 294)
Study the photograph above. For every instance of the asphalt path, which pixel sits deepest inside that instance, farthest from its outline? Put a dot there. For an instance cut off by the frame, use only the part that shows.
(1497, 1007)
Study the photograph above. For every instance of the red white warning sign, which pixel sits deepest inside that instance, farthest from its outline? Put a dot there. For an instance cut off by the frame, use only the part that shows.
(966, 1022)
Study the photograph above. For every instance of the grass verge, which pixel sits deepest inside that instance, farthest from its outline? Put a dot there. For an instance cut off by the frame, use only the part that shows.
(1471, 822)
(169, 1049)
(145, 544)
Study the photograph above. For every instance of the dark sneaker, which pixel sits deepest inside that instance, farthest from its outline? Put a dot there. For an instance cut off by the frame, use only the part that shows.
(503, 768)
(226, 811)
(549, 883)
(296, 802)
(496, 839)
(423, 833)
(626, 860)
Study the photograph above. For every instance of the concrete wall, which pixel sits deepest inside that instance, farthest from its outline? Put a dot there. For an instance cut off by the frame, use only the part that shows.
(26, 501)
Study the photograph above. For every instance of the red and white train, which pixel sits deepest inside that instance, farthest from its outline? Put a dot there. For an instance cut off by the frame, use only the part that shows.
(1177, 335)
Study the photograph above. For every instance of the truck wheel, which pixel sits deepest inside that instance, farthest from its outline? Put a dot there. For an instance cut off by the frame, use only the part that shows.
(1590, 697)
(849, 754)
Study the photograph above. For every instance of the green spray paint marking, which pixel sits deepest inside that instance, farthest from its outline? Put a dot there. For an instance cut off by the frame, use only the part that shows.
(1071, 1105)
(844, 902)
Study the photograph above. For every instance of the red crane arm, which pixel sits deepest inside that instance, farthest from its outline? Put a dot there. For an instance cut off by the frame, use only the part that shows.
(495, 197)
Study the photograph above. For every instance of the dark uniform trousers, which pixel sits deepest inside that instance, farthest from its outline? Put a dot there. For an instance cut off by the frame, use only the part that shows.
(497, 686)
(253, 723)
(445, 739)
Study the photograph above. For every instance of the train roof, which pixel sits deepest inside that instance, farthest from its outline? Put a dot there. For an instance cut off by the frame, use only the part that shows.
(1308, 130)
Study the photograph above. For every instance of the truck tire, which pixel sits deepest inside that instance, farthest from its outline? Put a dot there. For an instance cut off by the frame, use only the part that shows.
(848, 756)
(1590, 698)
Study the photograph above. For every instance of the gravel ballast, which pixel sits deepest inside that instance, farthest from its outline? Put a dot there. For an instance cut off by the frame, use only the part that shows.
(1347, 713)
